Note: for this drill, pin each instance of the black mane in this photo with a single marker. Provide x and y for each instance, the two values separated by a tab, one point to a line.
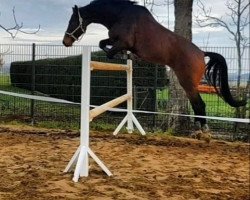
120	2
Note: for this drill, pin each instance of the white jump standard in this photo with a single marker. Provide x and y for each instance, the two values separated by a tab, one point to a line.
80	159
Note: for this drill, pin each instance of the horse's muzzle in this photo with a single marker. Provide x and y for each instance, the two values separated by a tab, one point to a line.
68	41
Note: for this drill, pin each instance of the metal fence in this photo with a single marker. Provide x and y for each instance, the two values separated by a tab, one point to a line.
154	94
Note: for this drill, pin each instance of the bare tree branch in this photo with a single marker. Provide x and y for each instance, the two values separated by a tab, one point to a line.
239	15
18	27
237	20
244	8
153	4
209	20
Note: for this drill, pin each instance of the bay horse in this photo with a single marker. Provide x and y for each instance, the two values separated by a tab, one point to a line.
133	28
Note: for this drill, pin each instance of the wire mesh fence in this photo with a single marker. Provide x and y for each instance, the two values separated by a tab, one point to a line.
53	70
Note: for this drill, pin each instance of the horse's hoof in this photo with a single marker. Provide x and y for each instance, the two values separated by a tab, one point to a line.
206	137
119	56
124	57
197	126
132	56
205	128
199	135
196	135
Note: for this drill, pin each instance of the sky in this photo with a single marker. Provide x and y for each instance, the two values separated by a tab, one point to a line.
53	17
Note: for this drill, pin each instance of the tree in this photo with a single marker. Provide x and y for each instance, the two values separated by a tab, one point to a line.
179	102
18	27
2	54
234	21
151	4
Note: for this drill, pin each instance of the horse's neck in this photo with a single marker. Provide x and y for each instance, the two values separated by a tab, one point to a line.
100	15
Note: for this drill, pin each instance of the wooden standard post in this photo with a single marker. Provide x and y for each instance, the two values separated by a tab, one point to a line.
129	118
80	159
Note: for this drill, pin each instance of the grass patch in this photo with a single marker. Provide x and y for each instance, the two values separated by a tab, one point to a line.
215	106
57	124
4	80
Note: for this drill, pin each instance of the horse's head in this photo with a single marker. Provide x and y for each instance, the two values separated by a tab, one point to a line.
77	27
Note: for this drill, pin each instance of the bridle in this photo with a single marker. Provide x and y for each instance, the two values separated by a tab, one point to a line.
80	26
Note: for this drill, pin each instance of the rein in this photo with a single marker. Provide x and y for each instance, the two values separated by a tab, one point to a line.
76	29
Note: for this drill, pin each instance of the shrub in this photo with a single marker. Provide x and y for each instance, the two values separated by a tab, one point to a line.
61	78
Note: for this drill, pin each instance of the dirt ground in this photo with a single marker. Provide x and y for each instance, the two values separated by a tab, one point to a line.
152	167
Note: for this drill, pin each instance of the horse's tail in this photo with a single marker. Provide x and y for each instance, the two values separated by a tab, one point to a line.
217	76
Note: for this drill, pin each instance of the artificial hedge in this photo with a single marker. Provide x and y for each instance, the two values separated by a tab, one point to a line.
61	78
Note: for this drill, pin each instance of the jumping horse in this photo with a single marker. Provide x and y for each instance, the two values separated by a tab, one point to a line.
133	28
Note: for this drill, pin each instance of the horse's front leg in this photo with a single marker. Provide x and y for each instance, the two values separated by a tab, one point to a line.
104	43
117	47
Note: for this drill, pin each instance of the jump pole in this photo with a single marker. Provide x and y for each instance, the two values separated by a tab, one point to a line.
80	159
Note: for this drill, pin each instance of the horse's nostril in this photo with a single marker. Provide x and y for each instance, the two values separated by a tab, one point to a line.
65	44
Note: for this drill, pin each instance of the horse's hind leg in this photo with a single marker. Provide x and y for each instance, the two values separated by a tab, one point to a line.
199	107
189	80
190	85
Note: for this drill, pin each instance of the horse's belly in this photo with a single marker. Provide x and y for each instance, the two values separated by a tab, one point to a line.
150	54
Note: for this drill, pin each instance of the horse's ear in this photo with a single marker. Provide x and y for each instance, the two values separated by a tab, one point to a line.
75	9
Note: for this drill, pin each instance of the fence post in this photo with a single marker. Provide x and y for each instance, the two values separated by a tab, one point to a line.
33	82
